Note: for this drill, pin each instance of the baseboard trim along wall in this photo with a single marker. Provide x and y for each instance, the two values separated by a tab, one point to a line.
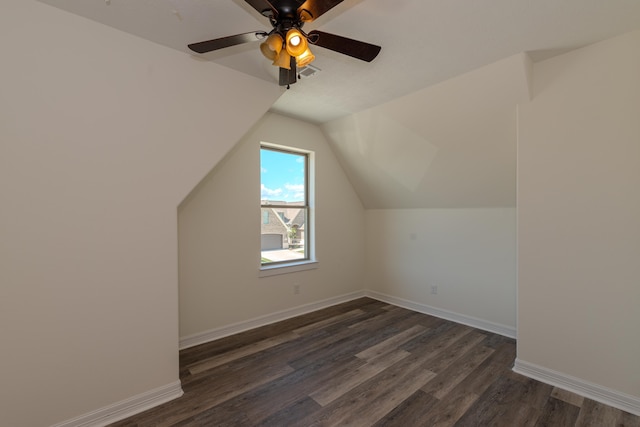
234	328
126	408
584	388
475	322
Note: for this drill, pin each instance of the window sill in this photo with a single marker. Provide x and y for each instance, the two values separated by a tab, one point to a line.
286	268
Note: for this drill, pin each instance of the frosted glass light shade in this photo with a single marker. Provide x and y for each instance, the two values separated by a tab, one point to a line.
283	60
305	58
296	42
272	46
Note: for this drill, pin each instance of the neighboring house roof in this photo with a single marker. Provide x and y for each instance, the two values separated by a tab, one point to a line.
298	217
290	216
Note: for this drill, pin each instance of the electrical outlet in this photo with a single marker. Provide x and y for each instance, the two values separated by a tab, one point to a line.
296	289
434	289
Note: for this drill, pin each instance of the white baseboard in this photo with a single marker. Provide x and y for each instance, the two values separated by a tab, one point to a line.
160	395
126	408
234	328
475	322
584	388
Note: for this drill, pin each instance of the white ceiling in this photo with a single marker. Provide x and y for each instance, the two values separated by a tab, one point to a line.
423	41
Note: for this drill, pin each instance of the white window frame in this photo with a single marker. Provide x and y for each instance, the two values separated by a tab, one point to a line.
310	262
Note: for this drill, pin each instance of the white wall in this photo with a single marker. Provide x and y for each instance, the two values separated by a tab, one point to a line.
452	145
101	136
469	254
440	164
219	234
579	216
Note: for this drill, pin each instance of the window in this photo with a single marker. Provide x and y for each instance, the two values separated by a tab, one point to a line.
285	235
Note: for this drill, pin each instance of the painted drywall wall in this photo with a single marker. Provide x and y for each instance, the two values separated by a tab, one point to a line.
436	172
219	235
451	145
101	137
579	216
468	254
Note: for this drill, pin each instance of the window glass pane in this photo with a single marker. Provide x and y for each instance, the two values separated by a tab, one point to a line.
285	209
284	241
282	177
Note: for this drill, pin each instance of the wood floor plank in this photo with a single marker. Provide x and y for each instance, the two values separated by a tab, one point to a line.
393	395
432	342
558	413
389	317
198	353
215	416
411	412
290	415
455	373
192	404
494	340
505	354
268	399
330	321
446	413
370	401
629	420
391	343
366	363
567	396
247	350
507	399
354	341
597	414
455	351
453	406
479	380
337	386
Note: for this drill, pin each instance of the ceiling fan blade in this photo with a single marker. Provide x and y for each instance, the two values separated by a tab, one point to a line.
317	8
222	42
262	5
354	48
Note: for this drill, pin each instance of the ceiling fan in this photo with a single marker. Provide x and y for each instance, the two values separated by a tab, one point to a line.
286	44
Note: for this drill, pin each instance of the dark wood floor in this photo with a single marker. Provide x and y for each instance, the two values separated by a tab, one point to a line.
366	363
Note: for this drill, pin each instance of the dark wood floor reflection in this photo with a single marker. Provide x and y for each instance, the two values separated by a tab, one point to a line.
366	363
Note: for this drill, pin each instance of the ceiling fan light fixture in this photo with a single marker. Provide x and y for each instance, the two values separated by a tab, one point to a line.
286	45
296	42
283	60
305	58
272	46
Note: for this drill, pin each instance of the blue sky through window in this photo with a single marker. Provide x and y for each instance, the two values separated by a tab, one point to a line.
282	176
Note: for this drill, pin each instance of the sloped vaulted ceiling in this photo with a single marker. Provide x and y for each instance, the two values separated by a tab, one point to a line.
424	42
452	145
408	131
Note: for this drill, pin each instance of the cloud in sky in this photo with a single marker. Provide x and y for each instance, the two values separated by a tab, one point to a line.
290	193
296	189
268	192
